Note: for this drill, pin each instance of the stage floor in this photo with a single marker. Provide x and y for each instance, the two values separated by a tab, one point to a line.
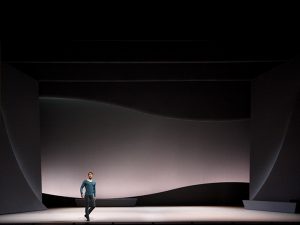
187	214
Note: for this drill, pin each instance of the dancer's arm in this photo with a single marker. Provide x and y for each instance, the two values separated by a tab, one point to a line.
82	186
95	189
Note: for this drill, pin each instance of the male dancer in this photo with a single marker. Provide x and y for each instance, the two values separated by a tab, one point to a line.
90	194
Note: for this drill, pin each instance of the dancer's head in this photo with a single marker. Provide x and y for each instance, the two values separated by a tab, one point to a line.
90	175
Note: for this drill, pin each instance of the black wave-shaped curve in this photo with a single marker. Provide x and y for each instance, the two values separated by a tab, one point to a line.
222	194
227	193
188	100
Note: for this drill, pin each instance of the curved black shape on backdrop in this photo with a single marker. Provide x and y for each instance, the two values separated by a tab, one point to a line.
222	194
227	193
208	100
55	201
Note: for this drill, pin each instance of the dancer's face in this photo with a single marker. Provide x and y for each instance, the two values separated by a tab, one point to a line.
90	175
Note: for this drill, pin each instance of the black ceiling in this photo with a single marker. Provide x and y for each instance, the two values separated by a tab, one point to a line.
91	60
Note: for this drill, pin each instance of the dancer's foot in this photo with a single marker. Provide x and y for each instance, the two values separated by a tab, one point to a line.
87	217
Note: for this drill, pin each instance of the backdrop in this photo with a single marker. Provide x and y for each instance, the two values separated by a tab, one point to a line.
133	152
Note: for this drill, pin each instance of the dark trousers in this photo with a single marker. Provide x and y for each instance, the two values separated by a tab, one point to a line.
90	204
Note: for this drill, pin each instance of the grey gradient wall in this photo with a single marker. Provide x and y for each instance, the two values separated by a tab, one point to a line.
20	165
275	128
136	153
